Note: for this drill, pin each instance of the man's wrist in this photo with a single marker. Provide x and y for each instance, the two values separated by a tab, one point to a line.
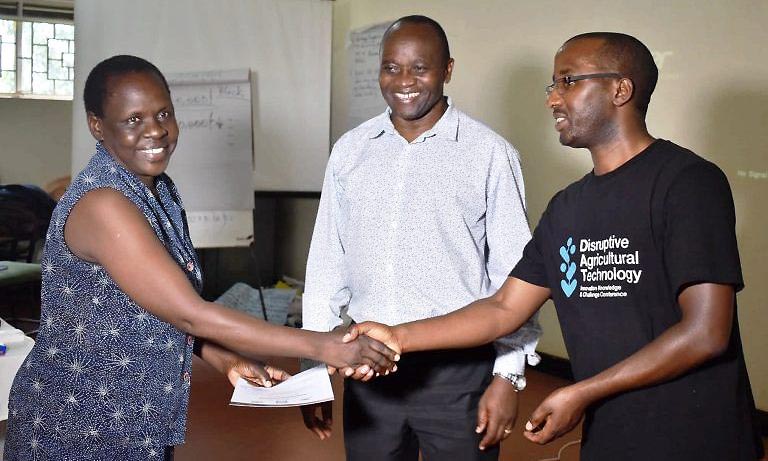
517	381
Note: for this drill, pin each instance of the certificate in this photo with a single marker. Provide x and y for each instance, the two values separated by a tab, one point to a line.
310	386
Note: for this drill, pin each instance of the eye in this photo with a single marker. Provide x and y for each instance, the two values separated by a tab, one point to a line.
567	81
163	115
419	69
389	68
133	120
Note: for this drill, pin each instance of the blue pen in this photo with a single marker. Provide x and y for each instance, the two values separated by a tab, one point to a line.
3	349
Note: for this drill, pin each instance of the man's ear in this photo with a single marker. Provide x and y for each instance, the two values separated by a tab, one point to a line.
94	125
624	92
449	70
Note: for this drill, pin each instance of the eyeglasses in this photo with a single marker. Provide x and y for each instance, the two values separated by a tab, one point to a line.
562	84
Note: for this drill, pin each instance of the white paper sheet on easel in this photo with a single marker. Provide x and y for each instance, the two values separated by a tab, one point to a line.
310	386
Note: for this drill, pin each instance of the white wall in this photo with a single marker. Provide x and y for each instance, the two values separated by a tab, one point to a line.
285	43
35	140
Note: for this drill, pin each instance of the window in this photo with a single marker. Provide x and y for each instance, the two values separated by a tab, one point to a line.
37	49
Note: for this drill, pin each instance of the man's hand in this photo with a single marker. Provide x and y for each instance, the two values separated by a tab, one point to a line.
496	412
320	424
378	331
556	415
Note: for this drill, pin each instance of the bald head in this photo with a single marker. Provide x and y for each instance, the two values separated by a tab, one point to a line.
630	57
421	21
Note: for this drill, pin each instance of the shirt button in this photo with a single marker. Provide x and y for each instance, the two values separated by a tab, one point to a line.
390	268
186	376
393	224
190	266
190	340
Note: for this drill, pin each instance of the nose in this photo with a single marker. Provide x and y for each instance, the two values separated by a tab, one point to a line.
554	99
155	129
406	79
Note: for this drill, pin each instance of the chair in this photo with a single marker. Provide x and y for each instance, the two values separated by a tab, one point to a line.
24	215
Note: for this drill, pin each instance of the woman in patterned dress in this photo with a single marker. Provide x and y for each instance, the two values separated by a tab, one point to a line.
108	378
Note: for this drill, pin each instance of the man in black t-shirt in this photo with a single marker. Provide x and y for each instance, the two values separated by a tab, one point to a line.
640	259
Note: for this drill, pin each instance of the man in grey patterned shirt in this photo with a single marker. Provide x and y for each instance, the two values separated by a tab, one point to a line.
422	211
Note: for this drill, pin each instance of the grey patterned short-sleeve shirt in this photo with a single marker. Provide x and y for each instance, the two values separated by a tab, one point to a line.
106	379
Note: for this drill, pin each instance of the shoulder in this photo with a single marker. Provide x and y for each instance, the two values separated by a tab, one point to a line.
355	140
107	206
484	138
684	167
361	133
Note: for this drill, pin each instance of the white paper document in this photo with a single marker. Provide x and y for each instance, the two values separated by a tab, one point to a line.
310	386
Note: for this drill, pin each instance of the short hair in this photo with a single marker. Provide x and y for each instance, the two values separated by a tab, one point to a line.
426	21
630	57
96	83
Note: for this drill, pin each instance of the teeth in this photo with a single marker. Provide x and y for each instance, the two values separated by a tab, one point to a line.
153	151
406	96
559	119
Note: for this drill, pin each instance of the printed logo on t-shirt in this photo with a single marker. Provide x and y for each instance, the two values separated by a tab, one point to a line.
605	267
568	268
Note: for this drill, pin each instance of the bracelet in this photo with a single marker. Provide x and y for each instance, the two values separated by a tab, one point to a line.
518	381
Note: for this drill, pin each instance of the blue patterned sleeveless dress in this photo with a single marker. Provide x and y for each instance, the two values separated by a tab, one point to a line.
106	379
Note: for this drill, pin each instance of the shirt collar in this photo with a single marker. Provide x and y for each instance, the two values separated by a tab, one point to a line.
446	128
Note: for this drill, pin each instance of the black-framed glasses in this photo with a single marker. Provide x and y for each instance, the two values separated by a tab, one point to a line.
563	83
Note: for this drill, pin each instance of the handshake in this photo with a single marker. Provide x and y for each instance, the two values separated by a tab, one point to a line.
363	351
360	352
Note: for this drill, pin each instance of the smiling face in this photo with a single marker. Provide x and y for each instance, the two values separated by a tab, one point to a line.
412	74
138	126
584	113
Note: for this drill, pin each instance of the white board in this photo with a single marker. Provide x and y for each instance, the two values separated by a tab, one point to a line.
213	160
365	100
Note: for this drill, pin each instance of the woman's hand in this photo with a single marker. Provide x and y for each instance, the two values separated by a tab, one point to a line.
235	366
256	373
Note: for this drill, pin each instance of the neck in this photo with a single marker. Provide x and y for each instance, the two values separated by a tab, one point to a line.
412	129
627	143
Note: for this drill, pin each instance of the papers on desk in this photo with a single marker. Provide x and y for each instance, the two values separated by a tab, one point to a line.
310	386
10	335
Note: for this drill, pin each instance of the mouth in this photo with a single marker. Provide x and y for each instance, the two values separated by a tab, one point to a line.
406	97
154	154
560	120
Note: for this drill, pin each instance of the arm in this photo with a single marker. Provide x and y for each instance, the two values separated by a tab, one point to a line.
473	325
325	282
106	228
702	334
507	232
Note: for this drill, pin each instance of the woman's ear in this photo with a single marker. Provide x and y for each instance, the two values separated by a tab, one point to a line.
94	125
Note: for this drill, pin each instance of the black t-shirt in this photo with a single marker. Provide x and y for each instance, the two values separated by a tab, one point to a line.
615	251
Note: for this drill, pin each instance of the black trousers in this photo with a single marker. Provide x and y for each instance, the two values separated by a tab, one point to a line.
428	405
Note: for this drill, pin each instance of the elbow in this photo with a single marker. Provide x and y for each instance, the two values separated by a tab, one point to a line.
712	346
192	321
717	347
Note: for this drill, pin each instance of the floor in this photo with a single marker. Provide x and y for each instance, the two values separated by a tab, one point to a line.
218	431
